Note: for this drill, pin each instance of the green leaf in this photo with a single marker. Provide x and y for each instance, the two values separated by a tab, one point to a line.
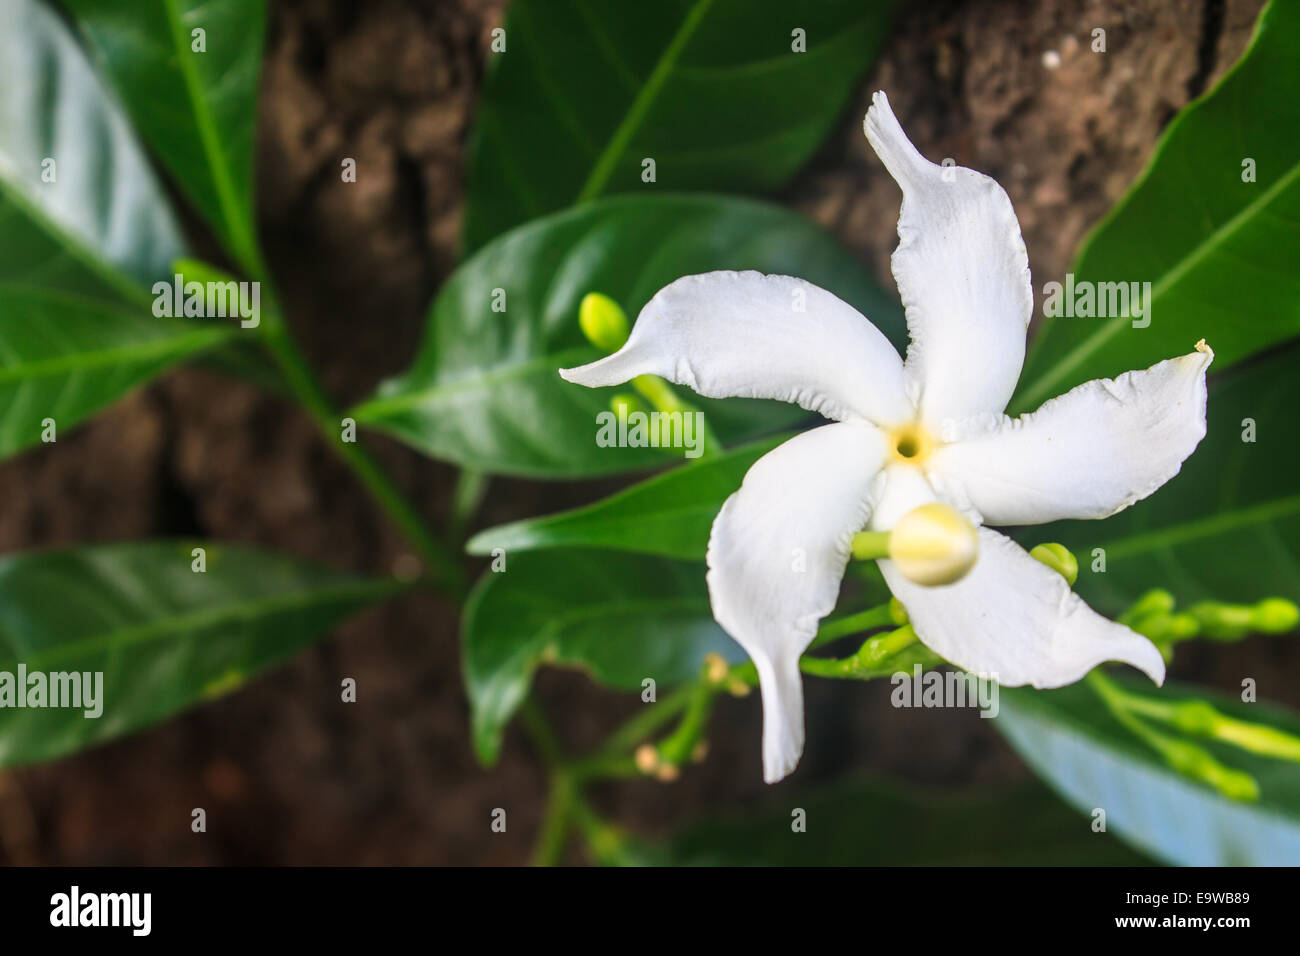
1219	252
485	392
80	209
622	618
163	636
870	823
1228	526
711	90
196	108
63	357
1070	739
669	515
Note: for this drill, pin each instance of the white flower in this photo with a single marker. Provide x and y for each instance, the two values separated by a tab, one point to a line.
909	433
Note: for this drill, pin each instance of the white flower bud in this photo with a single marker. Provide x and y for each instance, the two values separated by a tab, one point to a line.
933	544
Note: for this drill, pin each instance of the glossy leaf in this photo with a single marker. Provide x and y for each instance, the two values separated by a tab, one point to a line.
1092	761
711	90
80	209
163	636
668	515
869	823
484	391
63	357
1228	526
622	618
188	71
1216	244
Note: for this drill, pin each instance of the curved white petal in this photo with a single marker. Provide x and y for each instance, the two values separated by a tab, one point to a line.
903	487
751	335
1014	620
776	556
1087	454
963	276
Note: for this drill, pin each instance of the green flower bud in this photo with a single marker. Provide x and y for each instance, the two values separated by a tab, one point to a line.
1167	627
897	613
658	393
1195	717
1196	762
1059	558
603	322
1224	622
1258	739
1275	616
1156	601
625	403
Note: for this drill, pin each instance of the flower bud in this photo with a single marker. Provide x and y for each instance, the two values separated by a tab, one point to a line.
1156	601
897	613
1197	763
1059	558
1275	616
1164	628
933	544
603	322
624	404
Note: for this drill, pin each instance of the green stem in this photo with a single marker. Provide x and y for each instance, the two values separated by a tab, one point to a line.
306	388
553	837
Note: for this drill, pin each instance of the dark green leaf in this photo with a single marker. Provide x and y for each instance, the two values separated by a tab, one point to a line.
869	823
668	515
1219	252
484	391
63	357
711	90
196	108
622	618
80	209
1073	742
1228	526
163	636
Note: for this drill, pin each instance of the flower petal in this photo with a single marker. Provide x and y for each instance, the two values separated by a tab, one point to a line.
1089	453
776	556
1016	621
751	335
963	276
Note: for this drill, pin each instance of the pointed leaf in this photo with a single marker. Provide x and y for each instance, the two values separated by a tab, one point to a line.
668	515
716	92
163	636
1216	244
188	72
63	357
485	392
80	209
1093	762
623	618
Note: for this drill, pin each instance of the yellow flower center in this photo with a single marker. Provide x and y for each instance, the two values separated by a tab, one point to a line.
911	444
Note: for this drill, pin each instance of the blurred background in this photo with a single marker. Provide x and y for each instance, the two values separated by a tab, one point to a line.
286	774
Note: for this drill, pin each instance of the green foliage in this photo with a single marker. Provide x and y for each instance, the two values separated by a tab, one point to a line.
484	391
621	618
711	90
164	636
1094	762
1218	250
188	73
668	515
